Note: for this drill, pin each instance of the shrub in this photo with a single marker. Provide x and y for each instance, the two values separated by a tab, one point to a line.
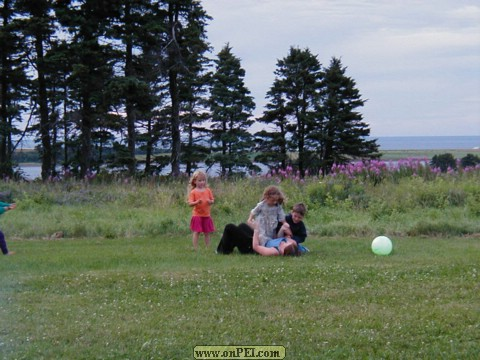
328	193
444	162
470	160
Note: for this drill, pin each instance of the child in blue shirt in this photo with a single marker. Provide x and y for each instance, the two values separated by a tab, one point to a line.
3	244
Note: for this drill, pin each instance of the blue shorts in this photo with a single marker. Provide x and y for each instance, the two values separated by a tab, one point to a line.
275	243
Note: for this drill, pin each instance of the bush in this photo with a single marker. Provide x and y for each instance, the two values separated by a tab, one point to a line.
470	160
444	162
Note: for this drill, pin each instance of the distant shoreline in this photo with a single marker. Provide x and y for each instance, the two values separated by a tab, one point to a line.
386	154
392	148
429	154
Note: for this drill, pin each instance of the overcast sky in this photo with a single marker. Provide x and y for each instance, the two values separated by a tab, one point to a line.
417	62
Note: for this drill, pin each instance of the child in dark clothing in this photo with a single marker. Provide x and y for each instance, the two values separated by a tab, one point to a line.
294	226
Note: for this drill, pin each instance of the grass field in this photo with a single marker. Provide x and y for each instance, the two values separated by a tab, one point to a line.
123	282
154	298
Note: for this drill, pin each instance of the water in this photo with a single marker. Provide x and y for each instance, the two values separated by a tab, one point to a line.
33	171
428	142
385	142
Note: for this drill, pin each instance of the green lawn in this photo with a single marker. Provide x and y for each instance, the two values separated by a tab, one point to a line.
154	298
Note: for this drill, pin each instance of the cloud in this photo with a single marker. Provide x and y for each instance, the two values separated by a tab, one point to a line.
415	61
467	12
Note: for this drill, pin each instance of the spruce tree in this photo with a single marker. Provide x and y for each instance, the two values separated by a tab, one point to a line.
131	90
272	143
194	92
64	113
37	26
294	102
92	69
231	109
14	84
185	24
340	134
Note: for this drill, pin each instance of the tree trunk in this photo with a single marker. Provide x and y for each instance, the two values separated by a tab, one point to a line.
86	133
5	126
43	105
175	124
130	108
174	92
149	148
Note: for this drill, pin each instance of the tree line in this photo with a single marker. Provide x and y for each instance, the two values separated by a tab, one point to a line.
96	82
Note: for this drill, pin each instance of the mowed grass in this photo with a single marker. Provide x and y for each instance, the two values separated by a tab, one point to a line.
154	298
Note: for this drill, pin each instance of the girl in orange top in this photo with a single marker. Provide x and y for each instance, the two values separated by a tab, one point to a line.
200	198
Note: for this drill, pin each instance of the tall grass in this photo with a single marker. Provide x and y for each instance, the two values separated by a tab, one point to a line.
363	204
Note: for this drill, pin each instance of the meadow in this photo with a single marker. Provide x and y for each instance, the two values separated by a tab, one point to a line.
104	269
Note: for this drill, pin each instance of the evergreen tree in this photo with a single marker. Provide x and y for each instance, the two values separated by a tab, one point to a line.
339	134
131	90
194	91
14	84
231	109
92	68
294	102
186	21
64	114
194	114
272	144
37	25
152	124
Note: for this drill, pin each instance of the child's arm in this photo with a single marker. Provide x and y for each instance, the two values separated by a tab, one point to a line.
192	201
251	218
284	231
253	213
259	249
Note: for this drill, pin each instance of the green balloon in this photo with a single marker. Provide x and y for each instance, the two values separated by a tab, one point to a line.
382	245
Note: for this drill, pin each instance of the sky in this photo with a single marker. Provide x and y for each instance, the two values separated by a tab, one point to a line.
416	62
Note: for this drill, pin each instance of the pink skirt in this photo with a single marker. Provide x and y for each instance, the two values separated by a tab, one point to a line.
202	224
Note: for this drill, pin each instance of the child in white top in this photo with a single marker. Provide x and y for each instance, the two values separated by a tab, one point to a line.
267	214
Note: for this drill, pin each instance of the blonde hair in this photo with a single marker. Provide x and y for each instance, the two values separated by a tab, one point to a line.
273	190
192	183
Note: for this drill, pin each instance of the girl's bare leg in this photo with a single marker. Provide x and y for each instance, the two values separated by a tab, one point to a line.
195	240
207	239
